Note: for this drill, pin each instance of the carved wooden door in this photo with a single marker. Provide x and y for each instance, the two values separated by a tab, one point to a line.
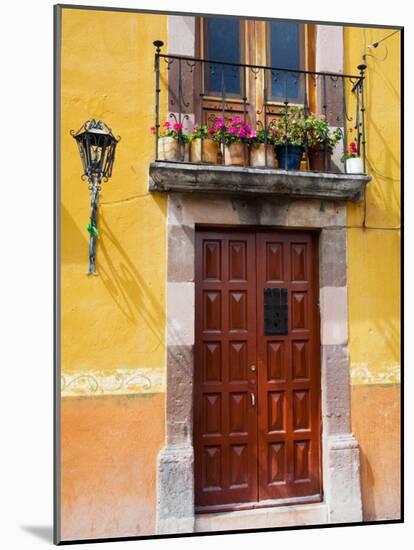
257	387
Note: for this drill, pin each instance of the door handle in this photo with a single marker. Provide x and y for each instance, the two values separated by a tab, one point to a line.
253	398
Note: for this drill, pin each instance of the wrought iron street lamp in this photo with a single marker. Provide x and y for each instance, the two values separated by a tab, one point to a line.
96	144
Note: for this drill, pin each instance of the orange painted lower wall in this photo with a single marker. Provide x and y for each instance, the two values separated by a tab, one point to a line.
376	424
109	446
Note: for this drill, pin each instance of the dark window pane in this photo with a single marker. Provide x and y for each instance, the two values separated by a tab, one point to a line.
222	40
285	53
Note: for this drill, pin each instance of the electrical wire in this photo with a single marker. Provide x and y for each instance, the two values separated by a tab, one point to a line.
376	44
375	57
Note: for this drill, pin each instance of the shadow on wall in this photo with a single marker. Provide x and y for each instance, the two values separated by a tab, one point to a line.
74	242
367	487
132	295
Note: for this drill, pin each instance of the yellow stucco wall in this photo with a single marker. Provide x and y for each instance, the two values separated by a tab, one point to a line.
374	279
374	253
113	324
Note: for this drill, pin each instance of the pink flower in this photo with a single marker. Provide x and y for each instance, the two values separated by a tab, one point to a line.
219	123
178	126
211	131
253	134
353	147
167	124
247	128
232	130
153	130
241	133
237	120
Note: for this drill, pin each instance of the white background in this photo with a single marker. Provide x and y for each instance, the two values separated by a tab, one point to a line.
26	305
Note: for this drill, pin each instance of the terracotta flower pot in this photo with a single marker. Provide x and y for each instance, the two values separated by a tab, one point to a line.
258	156
234	154
354	166
168	148
209	150
319	159
185	152
171	150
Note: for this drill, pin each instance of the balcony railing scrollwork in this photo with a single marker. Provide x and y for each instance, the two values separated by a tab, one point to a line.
199	102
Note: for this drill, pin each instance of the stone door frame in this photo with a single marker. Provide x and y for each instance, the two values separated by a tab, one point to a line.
340	450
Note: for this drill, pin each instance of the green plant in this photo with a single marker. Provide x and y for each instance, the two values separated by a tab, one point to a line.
201	131
318	132
290	127
264	135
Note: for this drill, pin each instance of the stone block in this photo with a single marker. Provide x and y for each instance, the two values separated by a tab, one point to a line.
280	516
175	490
342	479
335	389
316	213
180	253
180	314
189	209
180	373
334	315
274	211
333	258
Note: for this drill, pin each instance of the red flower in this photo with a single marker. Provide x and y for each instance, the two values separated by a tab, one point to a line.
153	130
353	147
177	126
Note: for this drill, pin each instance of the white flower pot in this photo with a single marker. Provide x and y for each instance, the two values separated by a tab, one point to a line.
354	166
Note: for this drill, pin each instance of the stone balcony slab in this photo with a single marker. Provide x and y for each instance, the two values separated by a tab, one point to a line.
168	177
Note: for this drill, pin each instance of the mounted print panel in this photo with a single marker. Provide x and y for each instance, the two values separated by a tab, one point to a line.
227	353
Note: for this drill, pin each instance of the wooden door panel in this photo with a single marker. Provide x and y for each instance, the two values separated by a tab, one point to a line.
288	369
275	361
225	429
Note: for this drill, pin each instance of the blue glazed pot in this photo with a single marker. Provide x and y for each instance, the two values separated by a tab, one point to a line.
289	156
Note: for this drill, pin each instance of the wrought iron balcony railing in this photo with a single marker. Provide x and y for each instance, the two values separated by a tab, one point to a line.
322	112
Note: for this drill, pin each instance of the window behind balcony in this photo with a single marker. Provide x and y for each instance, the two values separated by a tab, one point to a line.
285	50
284	44
223	42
